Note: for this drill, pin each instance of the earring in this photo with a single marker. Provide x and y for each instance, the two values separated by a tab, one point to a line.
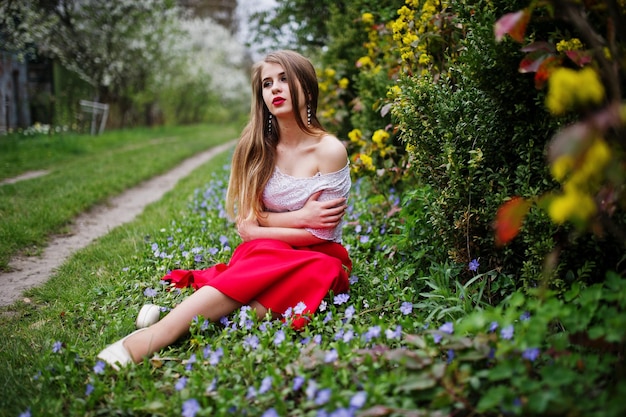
308	115
269	125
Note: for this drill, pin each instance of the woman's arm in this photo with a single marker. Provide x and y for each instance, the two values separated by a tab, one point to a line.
315	214
250	230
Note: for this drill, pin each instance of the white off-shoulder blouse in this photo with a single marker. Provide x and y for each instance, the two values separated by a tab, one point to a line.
286	193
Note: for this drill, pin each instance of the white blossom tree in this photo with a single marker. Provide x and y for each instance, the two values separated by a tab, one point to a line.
132	52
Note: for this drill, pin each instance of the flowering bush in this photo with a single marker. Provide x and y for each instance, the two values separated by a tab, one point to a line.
582	77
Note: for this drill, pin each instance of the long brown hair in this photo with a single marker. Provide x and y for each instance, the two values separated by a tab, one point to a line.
255	154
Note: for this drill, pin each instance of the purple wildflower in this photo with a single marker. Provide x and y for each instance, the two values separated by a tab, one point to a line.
99	367
331	356
353	279
299	308
450	355
190	407
394	334
531	354
190	362
341	298
251	342
251	393
181	384
493	326
266	385
447	327
364	238
25	413
525	316
348	336
507	332
206	351
372	333
216	356
323	396
88	390
270	412
212	386
473	265
311	389
406	308
358	400
279	337
56	347
298	381
329	317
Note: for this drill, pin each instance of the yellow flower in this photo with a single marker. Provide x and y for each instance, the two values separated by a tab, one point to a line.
394	91
596	158
343	83
568	88
573	44
572	205
329	72
561	167
355	135
406	13
379	137
366	160
328	114
367	18
364	61
409	38
424	59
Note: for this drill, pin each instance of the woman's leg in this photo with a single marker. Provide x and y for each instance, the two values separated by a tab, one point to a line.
207	302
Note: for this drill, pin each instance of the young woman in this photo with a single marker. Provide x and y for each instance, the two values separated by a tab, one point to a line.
288	188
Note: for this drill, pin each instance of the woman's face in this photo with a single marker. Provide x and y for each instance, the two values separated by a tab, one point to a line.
276	93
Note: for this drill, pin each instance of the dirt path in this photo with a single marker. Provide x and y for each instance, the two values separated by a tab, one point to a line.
28	272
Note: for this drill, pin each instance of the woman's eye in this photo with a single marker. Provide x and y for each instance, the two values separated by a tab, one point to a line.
267	84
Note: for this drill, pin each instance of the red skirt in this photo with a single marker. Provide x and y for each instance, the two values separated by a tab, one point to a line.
275	274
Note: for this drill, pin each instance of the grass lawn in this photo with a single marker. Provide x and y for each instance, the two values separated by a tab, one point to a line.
83	171
403	342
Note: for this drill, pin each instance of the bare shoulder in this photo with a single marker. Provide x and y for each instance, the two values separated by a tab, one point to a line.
332	154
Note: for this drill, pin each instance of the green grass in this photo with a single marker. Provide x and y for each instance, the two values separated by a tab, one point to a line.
83	171
406	342
86	305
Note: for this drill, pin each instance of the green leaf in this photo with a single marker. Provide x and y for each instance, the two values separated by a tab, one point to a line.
419	383
492	399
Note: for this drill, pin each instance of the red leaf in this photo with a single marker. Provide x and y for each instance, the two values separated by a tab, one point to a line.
539	46
531	62
512	24
580	58
509	219
545	69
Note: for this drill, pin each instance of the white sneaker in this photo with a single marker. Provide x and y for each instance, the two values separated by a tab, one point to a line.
148	315
116	355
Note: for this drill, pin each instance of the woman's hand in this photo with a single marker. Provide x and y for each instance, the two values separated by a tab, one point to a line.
322	214
247	229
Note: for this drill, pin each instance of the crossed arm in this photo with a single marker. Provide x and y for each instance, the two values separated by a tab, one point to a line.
290	226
